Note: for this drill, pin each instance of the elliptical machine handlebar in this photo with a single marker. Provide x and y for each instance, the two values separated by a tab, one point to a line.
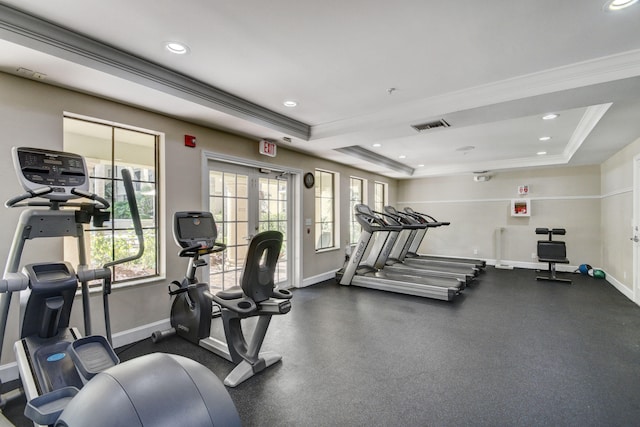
135	218
103	203
28	195
43	191
137	225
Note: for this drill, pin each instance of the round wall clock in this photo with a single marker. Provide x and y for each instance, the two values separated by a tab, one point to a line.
309	180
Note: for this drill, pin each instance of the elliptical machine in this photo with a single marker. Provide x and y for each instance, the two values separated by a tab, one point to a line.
191	310
65	376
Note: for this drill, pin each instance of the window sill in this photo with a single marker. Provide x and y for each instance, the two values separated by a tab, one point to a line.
321	251
138	282
93	289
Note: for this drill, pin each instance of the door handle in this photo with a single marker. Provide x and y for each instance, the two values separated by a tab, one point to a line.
635	239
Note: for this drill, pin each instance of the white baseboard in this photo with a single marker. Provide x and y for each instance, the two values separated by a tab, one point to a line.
142	332
318	278
569	269
9	371
620	287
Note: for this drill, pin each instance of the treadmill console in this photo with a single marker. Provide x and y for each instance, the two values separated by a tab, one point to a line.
194	229
62	172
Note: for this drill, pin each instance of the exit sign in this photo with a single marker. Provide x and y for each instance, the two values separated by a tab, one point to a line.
268	148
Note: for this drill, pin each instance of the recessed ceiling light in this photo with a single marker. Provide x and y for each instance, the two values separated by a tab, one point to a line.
177	47
402	156
420	165
550	116
466	148
290	103
544	138
541	153
618	4
376	145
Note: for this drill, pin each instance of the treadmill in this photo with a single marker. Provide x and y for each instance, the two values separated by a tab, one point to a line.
374	240
392	258
401	252
412	253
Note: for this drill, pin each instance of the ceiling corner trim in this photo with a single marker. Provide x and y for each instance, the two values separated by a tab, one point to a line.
376	159
38	34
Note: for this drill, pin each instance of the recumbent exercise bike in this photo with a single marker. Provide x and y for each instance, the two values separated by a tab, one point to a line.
193	304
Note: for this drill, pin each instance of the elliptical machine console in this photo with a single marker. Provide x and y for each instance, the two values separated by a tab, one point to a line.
60	172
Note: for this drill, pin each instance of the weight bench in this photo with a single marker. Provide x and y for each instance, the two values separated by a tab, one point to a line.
552	252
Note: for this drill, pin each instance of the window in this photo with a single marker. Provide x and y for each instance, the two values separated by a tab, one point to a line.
107	150
357	192
325	210
380	196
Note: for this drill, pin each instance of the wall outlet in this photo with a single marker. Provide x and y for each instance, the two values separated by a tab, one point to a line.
475	252
533	255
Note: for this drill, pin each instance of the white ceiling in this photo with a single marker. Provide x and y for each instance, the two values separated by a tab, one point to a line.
491	69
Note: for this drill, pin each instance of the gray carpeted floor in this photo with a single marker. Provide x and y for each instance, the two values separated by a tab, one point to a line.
510	351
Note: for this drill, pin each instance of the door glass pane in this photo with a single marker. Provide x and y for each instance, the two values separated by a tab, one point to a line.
244	203
228	202
272	202
242	182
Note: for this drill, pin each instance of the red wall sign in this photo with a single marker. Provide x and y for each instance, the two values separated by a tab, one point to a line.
267	148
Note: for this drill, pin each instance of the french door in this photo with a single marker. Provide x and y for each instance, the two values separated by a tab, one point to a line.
245	201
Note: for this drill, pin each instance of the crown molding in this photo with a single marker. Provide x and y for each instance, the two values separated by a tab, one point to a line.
38	34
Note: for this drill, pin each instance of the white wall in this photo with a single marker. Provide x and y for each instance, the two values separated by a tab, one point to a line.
564	197
31	115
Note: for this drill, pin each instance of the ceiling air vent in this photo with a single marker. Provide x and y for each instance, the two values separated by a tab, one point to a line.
442	123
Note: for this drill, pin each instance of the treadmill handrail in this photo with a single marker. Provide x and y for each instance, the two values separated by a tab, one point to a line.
371	223
407	220
424	217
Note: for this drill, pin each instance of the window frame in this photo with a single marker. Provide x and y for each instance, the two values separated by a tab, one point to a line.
111	229
355	228
378	205
320	175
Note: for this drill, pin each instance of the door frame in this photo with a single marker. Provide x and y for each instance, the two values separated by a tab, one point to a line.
295	202
636	228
